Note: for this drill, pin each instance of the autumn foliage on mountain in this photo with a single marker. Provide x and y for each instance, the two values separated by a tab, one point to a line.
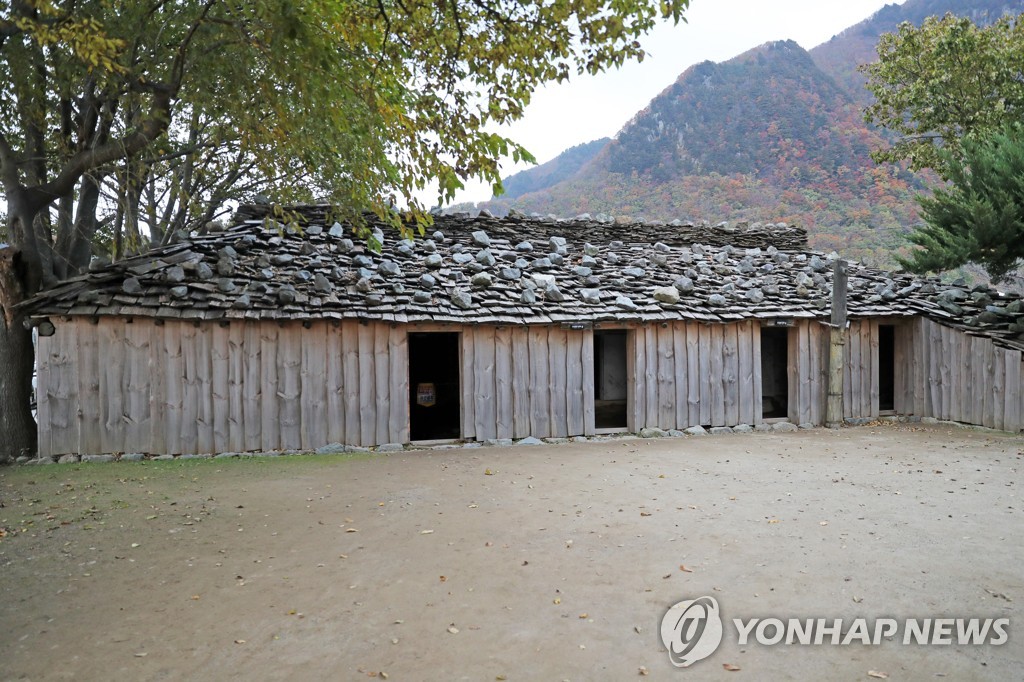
775	134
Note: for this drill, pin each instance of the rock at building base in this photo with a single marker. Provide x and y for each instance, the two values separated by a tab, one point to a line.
720	430
784	427
653	432
529	440
96	459
696	431
332	449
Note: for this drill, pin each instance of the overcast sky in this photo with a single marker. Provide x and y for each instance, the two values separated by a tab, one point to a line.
589	108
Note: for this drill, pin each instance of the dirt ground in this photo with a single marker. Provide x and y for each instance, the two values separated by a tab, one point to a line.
522	563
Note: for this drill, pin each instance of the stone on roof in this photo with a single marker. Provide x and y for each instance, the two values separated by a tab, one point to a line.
480	271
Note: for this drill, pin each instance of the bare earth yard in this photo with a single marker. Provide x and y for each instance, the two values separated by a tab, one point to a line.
522	563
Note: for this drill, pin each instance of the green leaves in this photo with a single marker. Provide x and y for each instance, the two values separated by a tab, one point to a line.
954	94
360	104
948	79
980	217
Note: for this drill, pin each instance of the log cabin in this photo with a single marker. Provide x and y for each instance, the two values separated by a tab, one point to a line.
292	335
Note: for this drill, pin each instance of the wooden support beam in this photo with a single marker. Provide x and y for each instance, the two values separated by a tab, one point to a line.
837	339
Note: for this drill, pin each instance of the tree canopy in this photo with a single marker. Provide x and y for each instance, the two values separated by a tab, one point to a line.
943	82
980	217
364	104
128	121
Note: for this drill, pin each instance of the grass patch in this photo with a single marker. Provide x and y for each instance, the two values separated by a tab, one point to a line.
46	498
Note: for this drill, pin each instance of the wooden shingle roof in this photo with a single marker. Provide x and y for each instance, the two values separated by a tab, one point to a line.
518	270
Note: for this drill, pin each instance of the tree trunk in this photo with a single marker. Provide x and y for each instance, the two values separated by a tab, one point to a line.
17	362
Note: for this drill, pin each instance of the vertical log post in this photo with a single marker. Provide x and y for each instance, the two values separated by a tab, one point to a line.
837	340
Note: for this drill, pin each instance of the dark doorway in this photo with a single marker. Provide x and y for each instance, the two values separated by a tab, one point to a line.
434	386
774	373
610	390
886	367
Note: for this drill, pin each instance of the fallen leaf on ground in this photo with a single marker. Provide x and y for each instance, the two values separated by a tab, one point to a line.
730	667
557	600
642	670
773	520
351	530
426	532
239	641
878	674
684	569
488	472
452	629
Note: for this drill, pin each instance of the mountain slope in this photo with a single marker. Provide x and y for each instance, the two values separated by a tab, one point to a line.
765	136
840	56
774	134
562	167
759	114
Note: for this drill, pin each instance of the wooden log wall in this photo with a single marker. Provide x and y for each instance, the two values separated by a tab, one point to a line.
527	381
690	374
860	370
964	378
119	386
808	372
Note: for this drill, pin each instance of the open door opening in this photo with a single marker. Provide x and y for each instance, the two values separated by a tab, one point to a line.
886	367
434	386
610	388
774	374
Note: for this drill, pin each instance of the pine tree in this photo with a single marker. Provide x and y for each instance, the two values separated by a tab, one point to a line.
979	217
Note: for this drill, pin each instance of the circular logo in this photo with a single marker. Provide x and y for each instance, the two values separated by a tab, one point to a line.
691	630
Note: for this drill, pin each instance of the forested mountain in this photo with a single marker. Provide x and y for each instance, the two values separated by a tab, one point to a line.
776	133
562	167
840	56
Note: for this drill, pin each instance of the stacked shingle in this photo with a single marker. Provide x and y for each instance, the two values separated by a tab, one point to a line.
517	270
